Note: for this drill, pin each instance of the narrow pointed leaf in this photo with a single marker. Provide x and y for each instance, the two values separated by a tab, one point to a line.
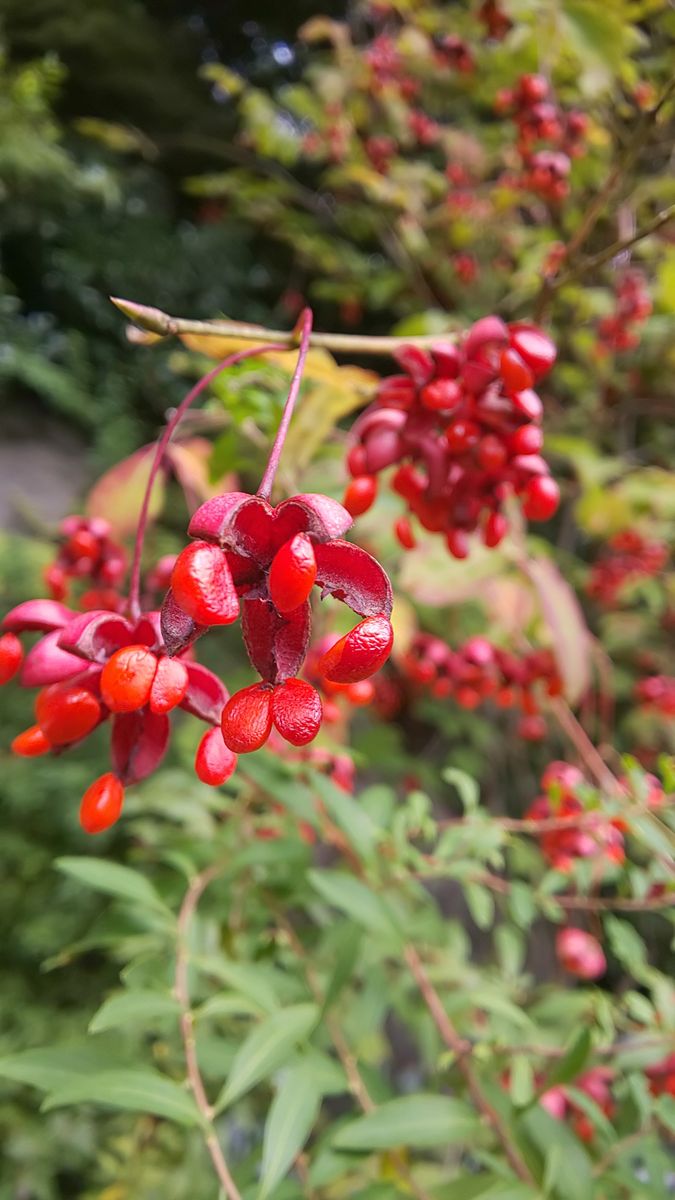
289	1123
267	1048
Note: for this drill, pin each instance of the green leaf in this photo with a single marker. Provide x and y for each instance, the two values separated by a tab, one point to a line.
113	879
570	1172
345	948
626	944
357	825
52	1067
289	1123
481	904
133	1090
420	1121
354	898
521	1087
466	787
128	1007
267	1048
573	1060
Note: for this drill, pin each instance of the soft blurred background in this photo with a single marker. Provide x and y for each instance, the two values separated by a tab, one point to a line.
123	171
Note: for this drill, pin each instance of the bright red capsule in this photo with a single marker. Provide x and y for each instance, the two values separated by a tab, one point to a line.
202	585
359	653
247	718
214	761
296	711
101	804
11	656
66	713
169	685
127	678
292	574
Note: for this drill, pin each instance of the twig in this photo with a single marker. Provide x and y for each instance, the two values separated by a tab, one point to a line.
586	903
616	248
155	321
185	916
460	1048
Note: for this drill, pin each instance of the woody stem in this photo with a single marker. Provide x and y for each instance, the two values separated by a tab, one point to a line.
162	443
305	324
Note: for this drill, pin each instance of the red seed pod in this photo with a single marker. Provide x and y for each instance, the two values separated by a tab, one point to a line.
528	439
11	656
292	574
56	580
528	404
462	435
83	544
404	533
356	461
30	743
360	653
541	498
360	494
296	711
515	371
214	761
66	713
202	585
127	678
491	453
101	804
441	395
169	685
247	718
361	693
537	350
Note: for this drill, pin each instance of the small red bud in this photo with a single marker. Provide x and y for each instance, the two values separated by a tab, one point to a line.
404	533
541	498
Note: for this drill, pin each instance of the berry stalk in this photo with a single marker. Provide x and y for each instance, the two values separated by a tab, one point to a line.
162	443
267	482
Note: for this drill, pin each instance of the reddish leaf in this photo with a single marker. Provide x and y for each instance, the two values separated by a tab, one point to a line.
138	744
355	577
118	494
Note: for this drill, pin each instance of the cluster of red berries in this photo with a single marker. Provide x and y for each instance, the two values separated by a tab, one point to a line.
538	119
657	692
477	671
463	427
264	561
497	23
629	557
587	833
620	331
87	553
97	665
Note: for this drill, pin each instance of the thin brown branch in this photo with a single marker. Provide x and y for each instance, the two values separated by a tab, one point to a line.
181	987
616	248
586	903
460	1048
153	320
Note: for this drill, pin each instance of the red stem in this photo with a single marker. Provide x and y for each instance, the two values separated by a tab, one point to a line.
163	441
265	489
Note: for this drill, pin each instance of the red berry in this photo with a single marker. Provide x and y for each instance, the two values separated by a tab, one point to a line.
514	371
537	350
55	579
457	542
30	743
292	574
101	804
202	585
169	685
214	761
496	528
404	533
441	395
127	678
66	713
296	711
462	435
360	653
360	494
491	453
247	718
528	404
541	498
356	461
11	656
580	953
529	439
361	693
83	544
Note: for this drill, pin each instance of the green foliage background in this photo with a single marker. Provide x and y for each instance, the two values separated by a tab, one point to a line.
120	173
